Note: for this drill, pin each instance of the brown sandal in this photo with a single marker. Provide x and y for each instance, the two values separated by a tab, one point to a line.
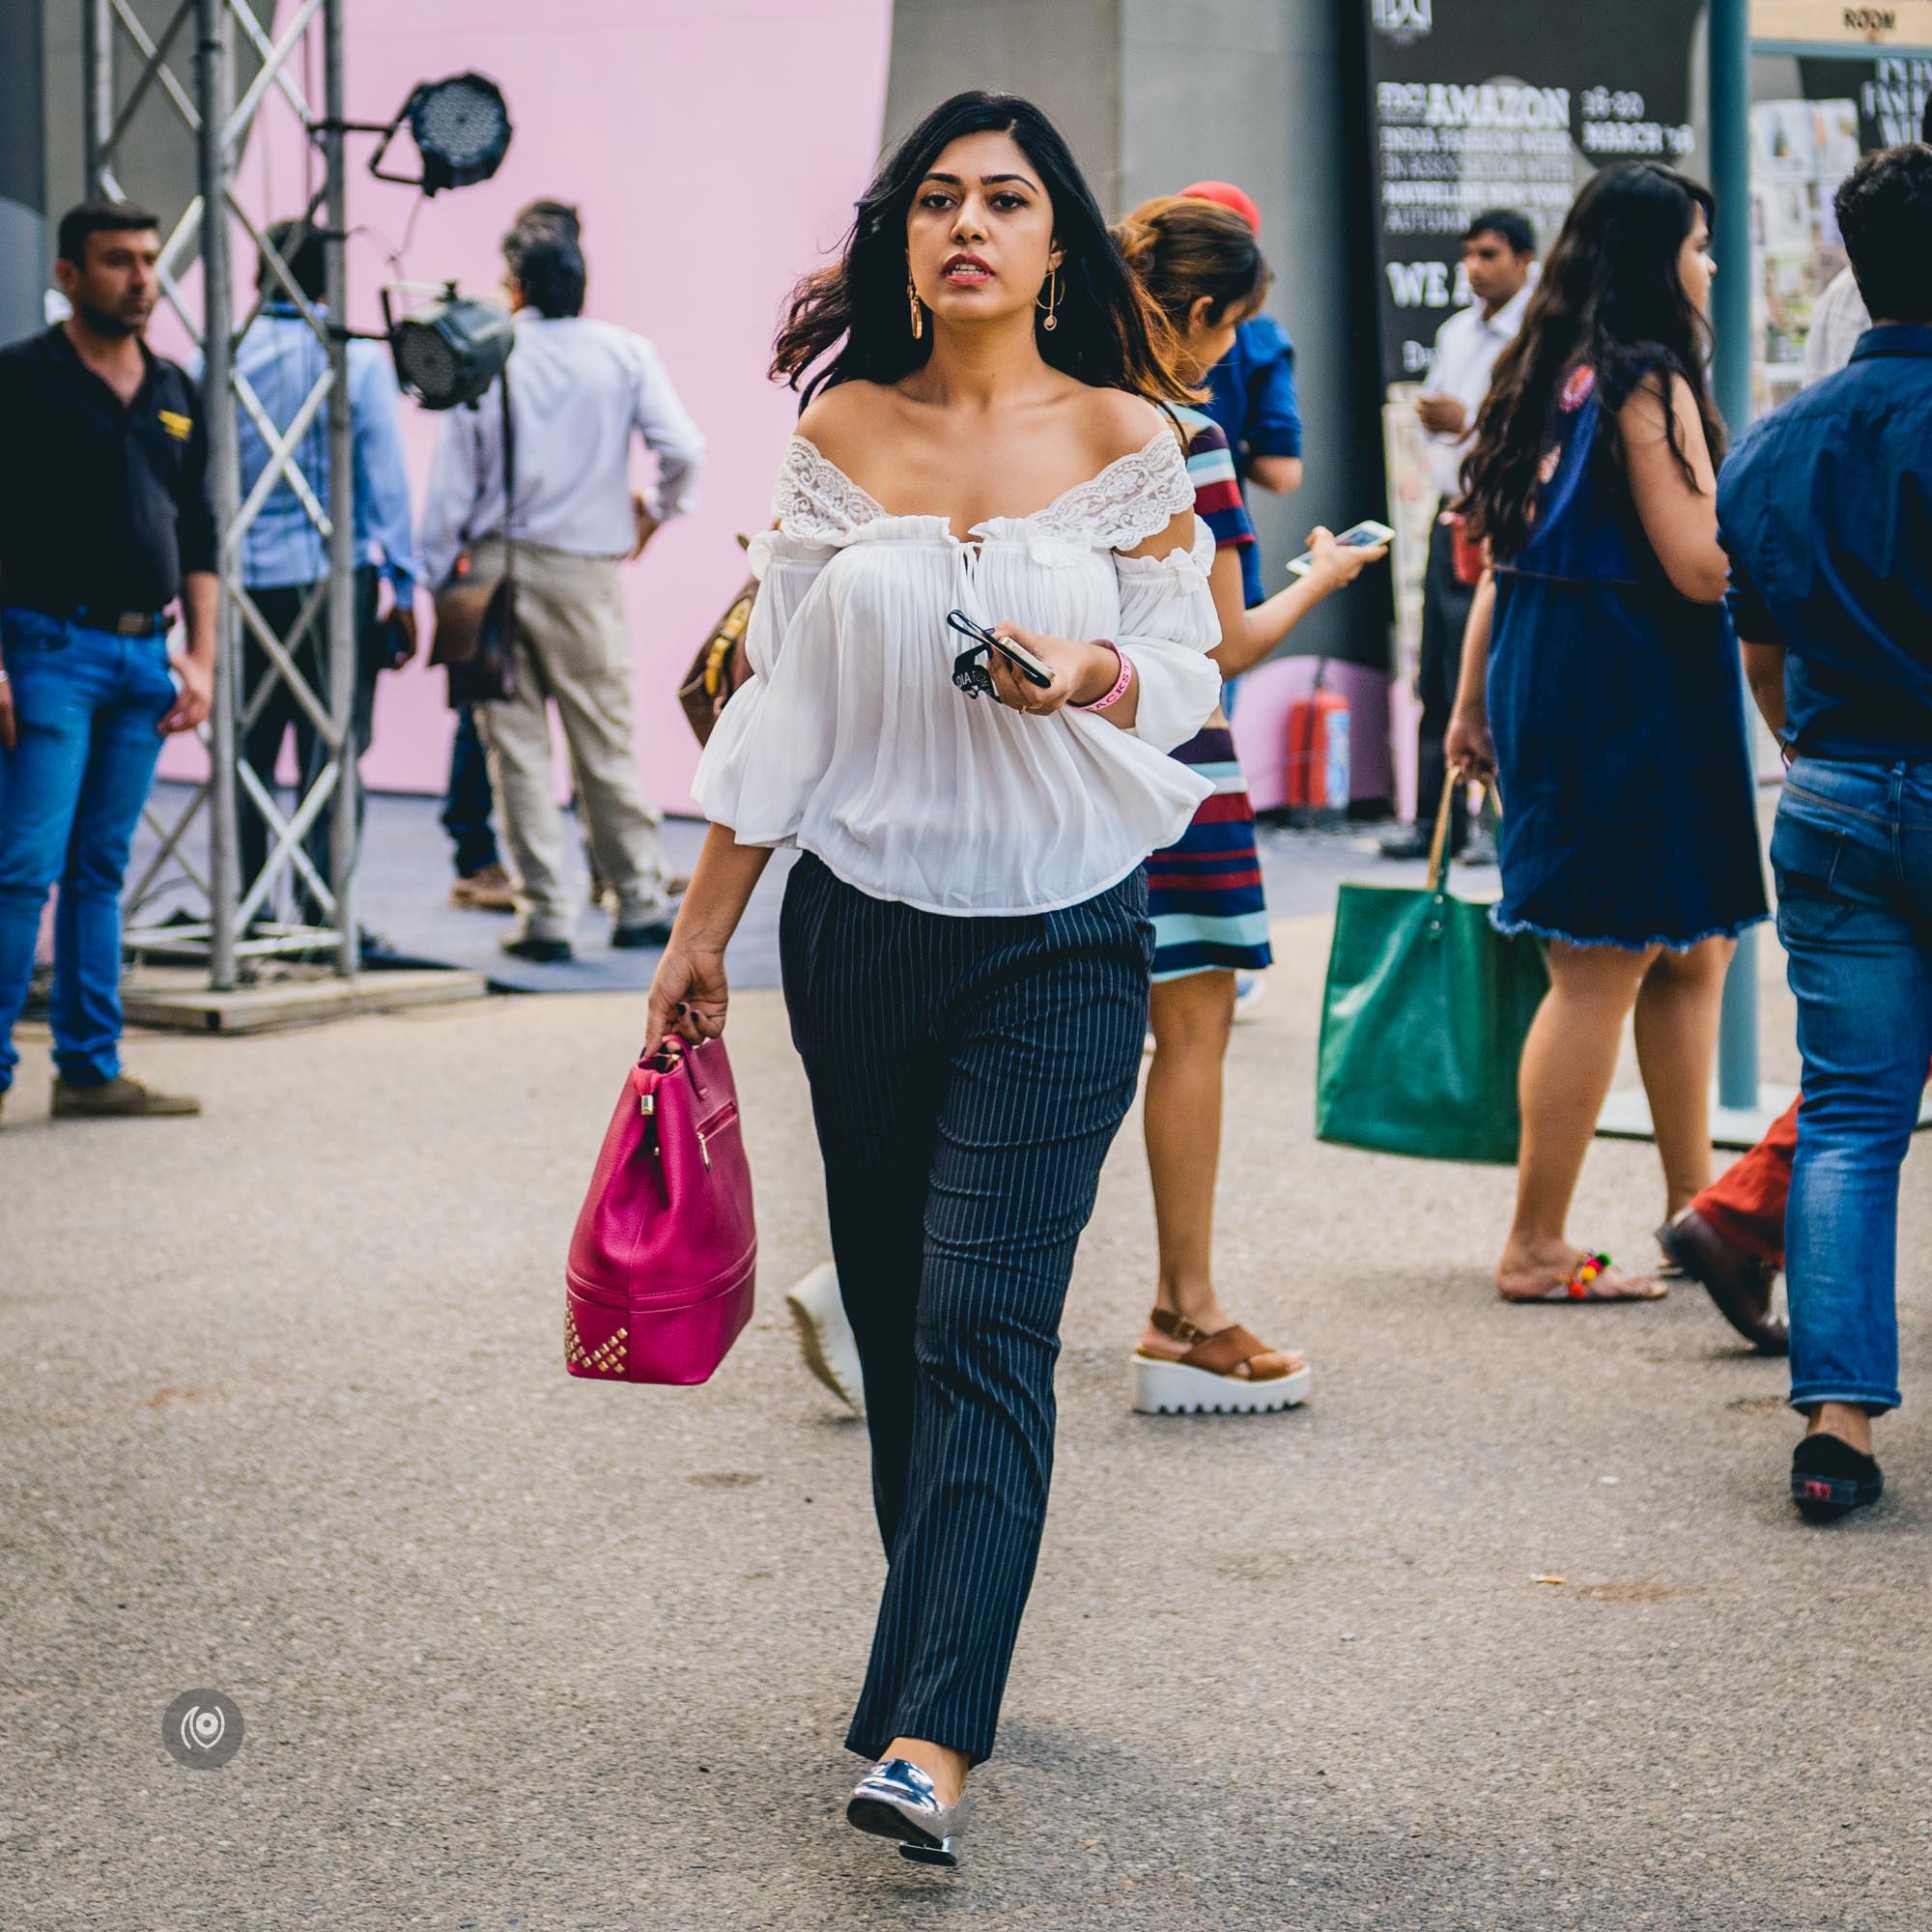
1219	1374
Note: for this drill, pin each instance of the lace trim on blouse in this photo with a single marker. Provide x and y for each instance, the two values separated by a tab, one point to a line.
814	499
1134	498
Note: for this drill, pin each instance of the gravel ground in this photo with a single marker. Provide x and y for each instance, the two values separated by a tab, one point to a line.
1511	1626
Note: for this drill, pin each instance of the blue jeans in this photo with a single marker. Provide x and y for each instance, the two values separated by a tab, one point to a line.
1853	855
86	703
467	809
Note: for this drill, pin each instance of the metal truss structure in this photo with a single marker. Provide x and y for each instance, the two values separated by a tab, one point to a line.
236	924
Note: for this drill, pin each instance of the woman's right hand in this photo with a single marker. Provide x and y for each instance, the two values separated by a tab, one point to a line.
1467	747
689	995
1333	565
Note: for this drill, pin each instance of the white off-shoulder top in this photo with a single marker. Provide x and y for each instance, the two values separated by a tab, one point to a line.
851	741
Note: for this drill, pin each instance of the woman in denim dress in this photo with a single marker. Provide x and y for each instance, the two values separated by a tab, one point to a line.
1601	684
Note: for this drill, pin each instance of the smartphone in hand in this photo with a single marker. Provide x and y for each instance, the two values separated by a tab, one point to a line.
1016	655
1365	535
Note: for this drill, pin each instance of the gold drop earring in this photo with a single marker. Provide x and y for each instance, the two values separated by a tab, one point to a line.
917	313
1052	302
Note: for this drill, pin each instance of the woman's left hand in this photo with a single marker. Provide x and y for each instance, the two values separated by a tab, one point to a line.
1081	672
1467	747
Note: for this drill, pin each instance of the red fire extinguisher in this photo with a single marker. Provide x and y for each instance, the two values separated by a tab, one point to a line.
1318	749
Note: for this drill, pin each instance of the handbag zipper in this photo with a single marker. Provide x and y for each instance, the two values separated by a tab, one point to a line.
648	1105
726	1116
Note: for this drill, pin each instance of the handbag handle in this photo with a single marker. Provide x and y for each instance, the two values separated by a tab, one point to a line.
1439	844
668	1055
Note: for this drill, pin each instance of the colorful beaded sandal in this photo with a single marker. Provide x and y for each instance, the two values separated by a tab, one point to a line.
1582	1285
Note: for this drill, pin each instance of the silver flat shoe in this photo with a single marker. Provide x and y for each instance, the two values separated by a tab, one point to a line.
896	1799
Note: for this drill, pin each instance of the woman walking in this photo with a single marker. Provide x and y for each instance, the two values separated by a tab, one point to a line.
1601	684
1201	265
965	940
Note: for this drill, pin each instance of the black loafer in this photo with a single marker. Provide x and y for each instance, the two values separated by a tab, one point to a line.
540	951
1829	1478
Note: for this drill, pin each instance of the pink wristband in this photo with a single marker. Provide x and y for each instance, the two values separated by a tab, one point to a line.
1120	683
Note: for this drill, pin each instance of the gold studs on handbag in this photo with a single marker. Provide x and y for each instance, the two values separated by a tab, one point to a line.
917	313
606	1359
1052	302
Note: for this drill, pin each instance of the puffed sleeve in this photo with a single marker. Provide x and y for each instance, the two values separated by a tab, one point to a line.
1168	626
772	737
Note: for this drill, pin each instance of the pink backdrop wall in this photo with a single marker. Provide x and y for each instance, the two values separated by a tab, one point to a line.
715	150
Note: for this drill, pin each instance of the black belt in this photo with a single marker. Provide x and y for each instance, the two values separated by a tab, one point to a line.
121	623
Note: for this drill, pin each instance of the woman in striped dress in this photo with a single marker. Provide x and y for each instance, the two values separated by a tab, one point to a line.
1205	270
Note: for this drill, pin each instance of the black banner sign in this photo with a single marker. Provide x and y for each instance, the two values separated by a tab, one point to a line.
1510	103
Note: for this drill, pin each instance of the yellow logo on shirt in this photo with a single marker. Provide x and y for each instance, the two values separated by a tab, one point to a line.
177	426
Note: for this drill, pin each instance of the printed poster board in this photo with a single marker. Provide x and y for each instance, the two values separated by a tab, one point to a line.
1813	116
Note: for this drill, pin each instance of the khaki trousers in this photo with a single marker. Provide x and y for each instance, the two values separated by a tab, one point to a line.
572	649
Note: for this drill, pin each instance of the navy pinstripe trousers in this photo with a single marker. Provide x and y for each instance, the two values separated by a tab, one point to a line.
968	1076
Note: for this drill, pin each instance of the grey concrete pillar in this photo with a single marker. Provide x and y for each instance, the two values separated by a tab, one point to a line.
1063	56
1270	94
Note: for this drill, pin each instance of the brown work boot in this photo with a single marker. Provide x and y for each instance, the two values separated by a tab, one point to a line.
118	1099
486	890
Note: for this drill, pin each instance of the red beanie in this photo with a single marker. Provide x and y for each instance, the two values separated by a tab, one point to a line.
1229	196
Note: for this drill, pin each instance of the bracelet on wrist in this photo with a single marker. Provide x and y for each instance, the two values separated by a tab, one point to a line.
1119	689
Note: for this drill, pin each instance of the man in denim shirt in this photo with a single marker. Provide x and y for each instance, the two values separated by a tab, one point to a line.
285	557
1826	509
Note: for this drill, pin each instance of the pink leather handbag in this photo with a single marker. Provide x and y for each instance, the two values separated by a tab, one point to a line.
658	1281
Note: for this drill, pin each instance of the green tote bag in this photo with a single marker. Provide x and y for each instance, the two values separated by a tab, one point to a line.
1423	1021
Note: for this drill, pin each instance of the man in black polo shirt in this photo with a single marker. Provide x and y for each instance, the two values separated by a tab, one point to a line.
105	521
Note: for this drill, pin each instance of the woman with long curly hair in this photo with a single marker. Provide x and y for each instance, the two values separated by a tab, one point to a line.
1601	685
965	938
1204	267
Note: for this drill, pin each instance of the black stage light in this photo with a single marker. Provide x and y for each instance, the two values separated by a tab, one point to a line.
450	352
461	128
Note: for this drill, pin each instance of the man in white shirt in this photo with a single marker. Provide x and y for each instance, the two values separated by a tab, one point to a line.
1498	256
1838	318
579	389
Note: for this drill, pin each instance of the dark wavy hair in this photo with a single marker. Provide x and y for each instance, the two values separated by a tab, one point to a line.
1109	332
1611	298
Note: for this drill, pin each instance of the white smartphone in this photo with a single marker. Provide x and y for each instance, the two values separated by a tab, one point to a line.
1365	535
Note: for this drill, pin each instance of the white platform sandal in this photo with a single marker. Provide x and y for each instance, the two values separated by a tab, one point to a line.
1223	1374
